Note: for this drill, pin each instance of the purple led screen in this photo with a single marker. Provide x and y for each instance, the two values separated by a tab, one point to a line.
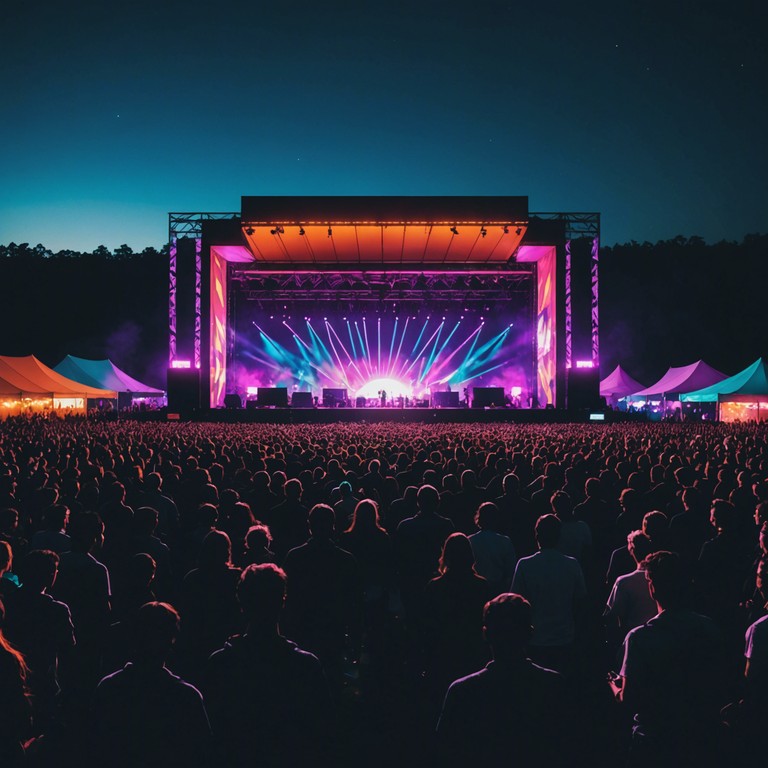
308	347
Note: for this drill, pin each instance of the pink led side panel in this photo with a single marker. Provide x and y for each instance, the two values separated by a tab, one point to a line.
546	312
172	303
218	328
568	308
198	297
595	297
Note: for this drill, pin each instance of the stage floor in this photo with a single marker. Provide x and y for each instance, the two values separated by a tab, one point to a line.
396	415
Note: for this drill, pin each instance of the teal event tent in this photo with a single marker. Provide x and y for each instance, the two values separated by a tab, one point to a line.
748	388
105	374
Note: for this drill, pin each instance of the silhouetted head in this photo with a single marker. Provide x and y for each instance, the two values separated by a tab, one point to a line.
141	570
548	531
261	594
322	521
668	578
55	517
457	555
511	484
293	489
655	524
153	482
38	569
487	516
639	545
145	521
86	532
215	551
258	537
507	625
156	629
561	505
722	515
592	488
365	517
428	499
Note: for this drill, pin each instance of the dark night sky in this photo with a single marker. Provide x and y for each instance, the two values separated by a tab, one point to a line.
652	113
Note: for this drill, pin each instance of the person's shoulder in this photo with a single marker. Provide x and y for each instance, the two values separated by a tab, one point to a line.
113	681
544	675
179	686
758	631
464	685
57	607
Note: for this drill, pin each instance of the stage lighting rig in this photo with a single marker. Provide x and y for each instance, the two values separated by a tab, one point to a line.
454	230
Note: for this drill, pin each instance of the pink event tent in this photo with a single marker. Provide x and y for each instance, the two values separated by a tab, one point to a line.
618	384
685	379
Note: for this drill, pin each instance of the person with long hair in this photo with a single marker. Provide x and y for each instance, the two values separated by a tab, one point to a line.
372	547
14	705
454	611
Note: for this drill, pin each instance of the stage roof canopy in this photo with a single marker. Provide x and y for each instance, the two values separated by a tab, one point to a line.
747	386
384	230
104	374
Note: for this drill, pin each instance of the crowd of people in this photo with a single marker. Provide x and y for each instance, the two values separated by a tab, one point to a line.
287	595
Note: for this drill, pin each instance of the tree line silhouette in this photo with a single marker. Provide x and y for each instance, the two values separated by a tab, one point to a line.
665	303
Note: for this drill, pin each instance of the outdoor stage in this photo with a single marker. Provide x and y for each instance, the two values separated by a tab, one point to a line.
419	297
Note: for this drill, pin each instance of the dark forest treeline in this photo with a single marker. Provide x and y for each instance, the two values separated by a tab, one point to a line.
681	300
94	305
665	303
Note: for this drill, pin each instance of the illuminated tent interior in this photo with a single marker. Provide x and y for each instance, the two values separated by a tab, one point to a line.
741	397
29	386
105	374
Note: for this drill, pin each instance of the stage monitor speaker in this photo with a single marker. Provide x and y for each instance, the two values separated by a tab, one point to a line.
332	398
276	397
445	399
486	397
301	400
583	388
232	400
183	390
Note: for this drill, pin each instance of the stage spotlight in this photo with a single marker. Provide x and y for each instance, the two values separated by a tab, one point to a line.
506	229
330	232
301	231
483	233
518	231
454	230
272	231
249	231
